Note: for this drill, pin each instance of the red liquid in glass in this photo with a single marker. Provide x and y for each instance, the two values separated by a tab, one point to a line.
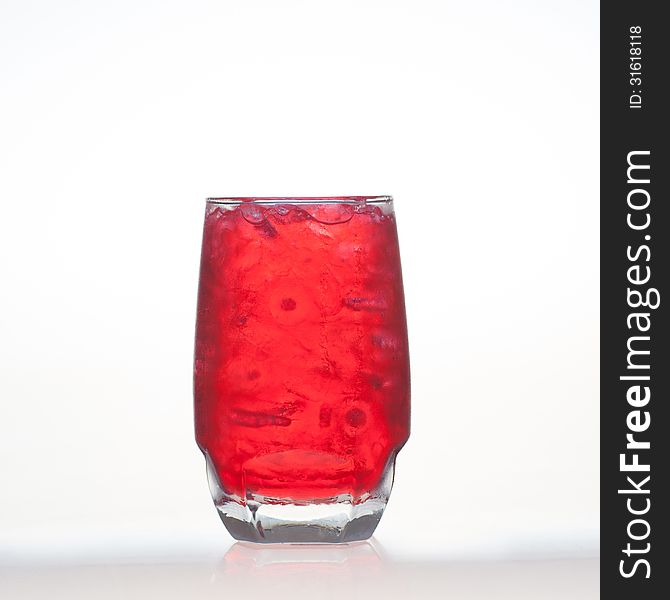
301	366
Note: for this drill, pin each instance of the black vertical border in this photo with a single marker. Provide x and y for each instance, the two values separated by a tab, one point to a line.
624	130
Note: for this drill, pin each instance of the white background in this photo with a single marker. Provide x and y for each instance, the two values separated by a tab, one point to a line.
118	119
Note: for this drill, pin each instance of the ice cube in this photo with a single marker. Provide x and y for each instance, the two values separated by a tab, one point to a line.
286	213
252	213
247	418
267	229
374	212
324	416
386	341
331	214
369	303
256	215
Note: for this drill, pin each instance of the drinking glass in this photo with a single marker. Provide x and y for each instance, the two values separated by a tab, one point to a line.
301	368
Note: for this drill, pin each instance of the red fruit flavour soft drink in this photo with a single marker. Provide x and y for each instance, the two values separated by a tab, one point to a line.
301	361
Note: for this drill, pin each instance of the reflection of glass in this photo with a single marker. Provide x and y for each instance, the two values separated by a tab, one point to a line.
274	561
300	571
301	365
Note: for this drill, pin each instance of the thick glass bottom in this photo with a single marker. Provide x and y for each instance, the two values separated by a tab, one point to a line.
340	519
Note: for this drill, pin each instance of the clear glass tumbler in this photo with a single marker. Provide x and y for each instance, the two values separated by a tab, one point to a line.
302	385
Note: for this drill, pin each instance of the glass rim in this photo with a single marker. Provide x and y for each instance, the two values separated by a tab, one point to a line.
238	200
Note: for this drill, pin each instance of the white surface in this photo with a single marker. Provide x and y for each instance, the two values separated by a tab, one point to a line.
309	573
118	119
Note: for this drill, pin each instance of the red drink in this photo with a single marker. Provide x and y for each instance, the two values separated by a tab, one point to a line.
301	363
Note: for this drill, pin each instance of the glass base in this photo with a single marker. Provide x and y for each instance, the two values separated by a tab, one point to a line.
335	520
